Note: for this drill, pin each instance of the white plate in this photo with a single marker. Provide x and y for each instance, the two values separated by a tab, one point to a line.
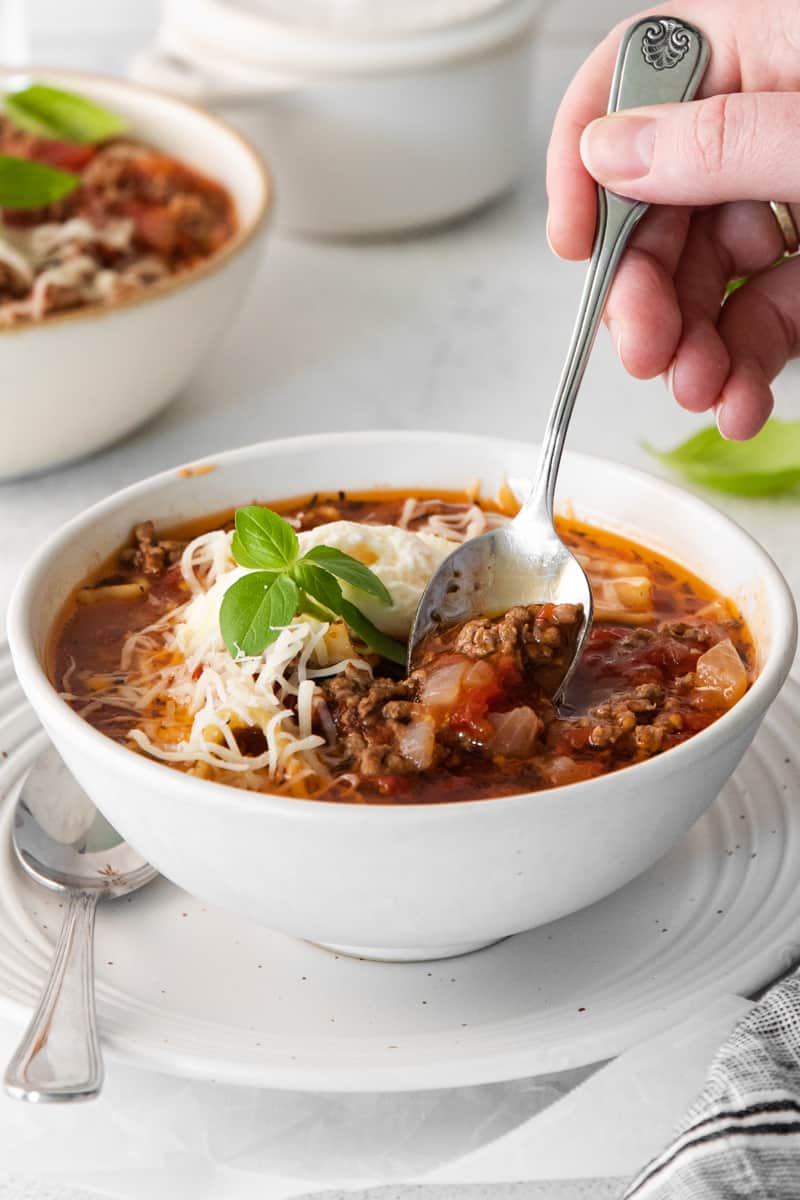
192	991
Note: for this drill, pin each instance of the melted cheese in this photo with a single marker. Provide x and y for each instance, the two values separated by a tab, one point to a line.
403	561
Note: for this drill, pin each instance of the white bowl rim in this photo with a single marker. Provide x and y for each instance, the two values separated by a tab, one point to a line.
244	235
149	772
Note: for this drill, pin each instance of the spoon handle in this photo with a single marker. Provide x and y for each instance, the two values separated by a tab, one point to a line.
661	60
59	1058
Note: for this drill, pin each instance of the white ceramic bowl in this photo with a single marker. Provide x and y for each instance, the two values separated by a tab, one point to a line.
407	881
78	380
367	133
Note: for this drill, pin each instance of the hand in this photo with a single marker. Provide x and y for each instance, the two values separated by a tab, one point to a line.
710	166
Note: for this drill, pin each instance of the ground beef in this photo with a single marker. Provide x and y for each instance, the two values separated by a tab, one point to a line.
539	639
387	730
621	715
173	215
196	221
110	171
14	282
150	555
649	739
521	649
701	633
371	717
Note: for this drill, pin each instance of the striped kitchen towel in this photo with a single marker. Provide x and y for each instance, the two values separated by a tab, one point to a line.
741	1138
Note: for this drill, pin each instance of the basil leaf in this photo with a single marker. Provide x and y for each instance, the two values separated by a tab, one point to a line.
255	561
28	184
324	588
345	567
765	466
319	584
263	539
49	112
372	636
310	608
254	610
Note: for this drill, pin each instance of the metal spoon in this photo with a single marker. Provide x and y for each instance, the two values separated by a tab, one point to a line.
63	842
525	562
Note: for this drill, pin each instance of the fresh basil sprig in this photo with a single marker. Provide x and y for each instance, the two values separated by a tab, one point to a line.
28	184
281	583
51	113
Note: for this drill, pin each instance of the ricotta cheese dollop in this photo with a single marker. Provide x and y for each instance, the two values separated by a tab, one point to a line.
402	560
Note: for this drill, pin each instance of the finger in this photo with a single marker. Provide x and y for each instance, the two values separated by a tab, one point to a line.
702	362
723	244
749	236
729	147
746	402
642	312
570	188
759	324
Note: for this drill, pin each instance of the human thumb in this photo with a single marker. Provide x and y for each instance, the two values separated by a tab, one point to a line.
736	147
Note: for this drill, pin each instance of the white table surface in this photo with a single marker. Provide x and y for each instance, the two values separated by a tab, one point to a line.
462	329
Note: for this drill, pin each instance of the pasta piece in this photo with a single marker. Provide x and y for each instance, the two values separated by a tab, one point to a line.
509	504
715	610
338	644
624	600
606	568
114	591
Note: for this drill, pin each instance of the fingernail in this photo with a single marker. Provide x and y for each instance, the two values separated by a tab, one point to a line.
719	412
616	336
617	148
669	377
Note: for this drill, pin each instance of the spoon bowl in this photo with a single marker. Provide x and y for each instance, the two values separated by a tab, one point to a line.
521	563
64	843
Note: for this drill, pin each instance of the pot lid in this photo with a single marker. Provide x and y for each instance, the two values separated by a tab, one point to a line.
340	35
365	18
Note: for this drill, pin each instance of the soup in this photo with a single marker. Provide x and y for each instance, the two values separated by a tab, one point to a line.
325	710
135	217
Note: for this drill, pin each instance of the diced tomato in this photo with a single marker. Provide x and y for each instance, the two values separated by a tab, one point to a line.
66	156
469	712
392	785
155	225
644	673
674	656
578	736
694	720
603	636
469	715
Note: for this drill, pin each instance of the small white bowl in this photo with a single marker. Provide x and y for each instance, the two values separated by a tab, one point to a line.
409	120
407	882
78	380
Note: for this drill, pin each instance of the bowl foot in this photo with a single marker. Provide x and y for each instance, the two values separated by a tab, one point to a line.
407	953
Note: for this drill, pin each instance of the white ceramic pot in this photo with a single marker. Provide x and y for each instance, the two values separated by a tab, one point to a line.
366	135
79	380
408	881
